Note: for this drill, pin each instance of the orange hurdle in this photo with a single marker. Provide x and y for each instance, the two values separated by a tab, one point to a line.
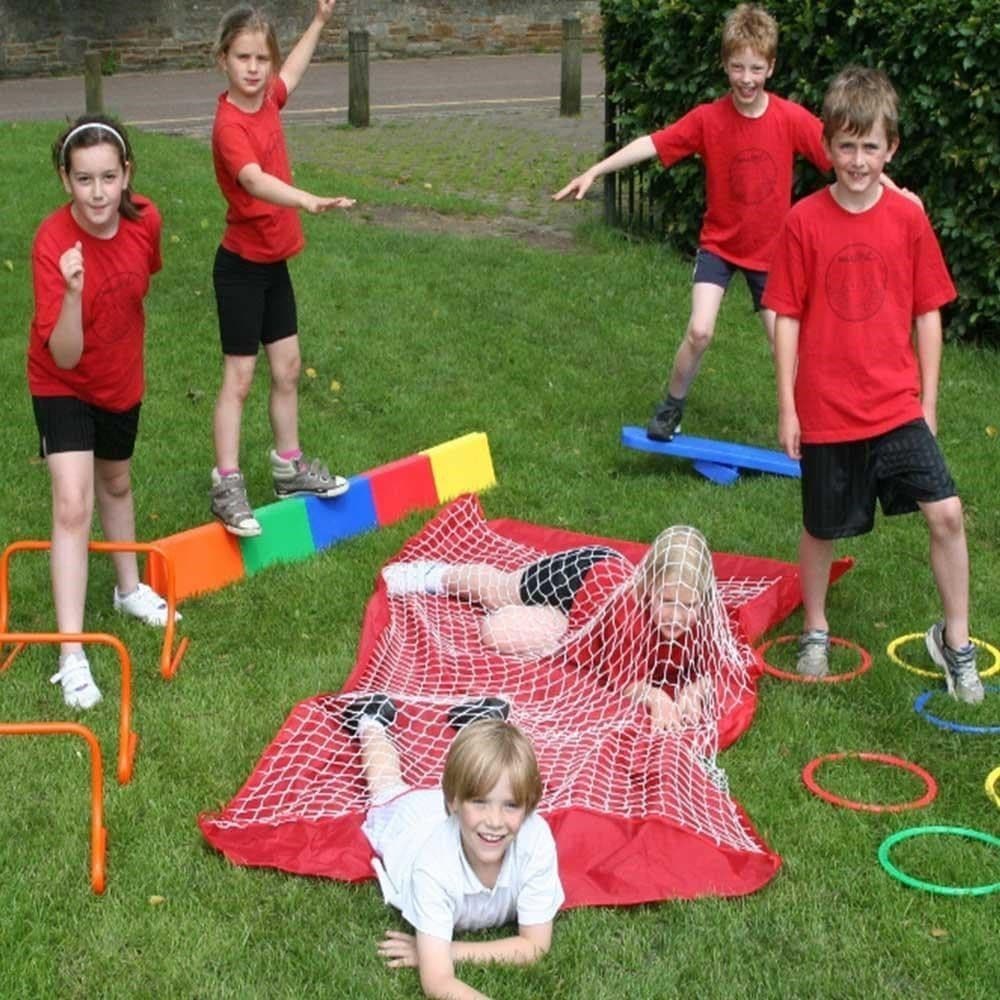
98	834
127	739
170	658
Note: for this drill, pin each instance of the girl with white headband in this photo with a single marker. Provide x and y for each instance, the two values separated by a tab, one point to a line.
91	264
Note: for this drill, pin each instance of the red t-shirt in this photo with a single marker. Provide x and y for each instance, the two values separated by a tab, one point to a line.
613	634
748	171
855	282
255	229
109	373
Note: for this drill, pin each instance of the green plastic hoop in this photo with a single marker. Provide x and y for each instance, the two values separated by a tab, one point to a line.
944	890
890	651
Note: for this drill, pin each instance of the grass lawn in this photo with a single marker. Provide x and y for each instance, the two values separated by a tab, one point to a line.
415	338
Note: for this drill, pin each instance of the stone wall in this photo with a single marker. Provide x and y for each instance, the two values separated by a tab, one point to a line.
44	37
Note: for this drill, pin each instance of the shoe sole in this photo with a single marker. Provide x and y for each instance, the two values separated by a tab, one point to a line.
234	529
664	438
335	491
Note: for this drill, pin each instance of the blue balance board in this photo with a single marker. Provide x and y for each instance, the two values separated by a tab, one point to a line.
719	461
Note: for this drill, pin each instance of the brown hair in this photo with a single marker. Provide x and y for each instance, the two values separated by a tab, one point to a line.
245	18
857	99
750	27
484	751
94	130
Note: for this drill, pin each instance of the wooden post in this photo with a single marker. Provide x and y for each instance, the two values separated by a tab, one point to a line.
572	56
357	81
92	83
610	146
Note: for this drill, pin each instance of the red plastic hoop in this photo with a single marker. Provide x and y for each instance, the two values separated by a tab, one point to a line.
785	675
930	793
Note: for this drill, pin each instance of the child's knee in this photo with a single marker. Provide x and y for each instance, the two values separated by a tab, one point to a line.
237	380
117	486
945	517
699	334
72	510
285	373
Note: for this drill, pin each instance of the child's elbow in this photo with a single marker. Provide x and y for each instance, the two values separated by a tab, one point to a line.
536	946
66	360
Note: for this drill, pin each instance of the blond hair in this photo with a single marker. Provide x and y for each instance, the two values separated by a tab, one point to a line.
750	27
245	18
679	555
483	752
857	99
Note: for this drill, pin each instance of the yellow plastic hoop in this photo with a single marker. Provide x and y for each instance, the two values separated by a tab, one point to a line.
991	785
890	651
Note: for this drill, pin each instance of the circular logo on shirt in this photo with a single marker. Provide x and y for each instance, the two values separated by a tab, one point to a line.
752	176
117	314
856	281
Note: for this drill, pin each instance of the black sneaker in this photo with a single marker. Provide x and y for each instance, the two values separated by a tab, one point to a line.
666	421
379	707
480	708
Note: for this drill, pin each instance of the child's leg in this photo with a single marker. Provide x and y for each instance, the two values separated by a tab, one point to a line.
706	299
486	585
237	377
533	630
286	363
476	582
72	474
113	489
815	559
950	565
379	759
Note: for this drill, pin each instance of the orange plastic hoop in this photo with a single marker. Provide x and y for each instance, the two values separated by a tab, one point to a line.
930	785
170	658
785	675
98	834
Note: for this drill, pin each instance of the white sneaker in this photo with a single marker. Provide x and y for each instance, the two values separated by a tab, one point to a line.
145	604
414	578
79	689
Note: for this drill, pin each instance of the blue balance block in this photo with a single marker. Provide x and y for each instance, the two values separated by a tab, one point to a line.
718	461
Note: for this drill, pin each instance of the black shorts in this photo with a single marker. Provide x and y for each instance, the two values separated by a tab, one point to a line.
711	269
66	423
841	482
554	580
255	302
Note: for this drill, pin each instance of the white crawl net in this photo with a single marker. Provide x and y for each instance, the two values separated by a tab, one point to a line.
580	702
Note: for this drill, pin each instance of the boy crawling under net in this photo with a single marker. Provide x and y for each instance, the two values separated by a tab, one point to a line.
471	855
662	608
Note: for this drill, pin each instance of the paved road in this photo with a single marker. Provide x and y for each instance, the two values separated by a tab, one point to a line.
185	100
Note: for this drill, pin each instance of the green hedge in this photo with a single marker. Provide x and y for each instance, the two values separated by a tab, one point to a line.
662	58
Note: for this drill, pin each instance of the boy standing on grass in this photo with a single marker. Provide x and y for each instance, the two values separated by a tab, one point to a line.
748	141
855	270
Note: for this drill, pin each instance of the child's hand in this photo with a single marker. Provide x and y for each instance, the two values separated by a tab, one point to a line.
399	950
324	8
578	186
664	712
317	206
71	266
789	434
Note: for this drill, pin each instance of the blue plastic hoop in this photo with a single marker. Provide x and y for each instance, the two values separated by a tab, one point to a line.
955	727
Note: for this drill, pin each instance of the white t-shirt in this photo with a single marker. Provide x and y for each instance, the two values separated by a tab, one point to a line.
422	869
